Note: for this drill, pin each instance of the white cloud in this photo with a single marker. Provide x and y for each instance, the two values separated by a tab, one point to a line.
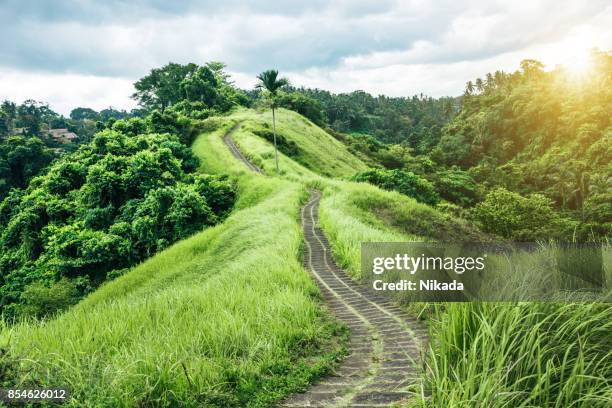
65	92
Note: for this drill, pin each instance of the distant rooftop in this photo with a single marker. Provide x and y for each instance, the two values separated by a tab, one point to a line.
62	135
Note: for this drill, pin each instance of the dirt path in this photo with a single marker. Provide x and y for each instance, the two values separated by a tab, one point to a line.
236	152
385	342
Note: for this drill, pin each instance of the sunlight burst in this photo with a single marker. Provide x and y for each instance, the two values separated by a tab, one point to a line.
578	64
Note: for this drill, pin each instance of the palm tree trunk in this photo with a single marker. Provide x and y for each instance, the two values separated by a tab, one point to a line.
274	132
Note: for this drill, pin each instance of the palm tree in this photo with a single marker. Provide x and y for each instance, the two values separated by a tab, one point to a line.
469	88
490	81
270	81
499	77
479	85
448	109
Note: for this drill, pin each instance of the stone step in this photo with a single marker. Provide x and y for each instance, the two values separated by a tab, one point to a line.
380	397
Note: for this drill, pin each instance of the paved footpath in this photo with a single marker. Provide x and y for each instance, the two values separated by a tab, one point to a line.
386	343
236	152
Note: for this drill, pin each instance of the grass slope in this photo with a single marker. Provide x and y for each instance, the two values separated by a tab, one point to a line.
317	150
227	317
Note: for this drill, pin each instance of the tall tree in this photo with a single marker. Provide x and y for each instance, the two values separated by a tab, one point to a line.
270	81
161	87
489	81
83	113
4	127
200	86
469	88
31	115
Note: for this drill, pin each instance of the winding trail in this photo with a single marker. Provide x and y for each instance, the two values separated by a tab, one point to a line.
236	152
385	344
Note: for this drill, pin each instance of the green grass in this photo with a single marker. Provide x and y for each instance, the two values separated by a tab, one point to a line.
318	151
227	317
352	213
519	355
481	354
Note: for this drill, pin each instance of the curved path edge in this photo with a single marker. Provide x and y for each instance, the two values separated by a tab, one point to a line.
229	141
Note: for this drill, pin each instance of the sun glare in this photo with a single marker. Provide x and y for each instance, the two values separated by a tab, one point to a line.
578	64
572	54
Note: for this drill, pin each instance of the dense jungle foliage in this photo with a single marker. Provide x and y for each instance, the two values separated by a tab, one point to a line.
525	155
117	200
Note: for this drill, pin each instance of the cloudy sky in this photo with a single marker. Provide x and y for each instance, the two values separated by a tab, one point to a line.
88	53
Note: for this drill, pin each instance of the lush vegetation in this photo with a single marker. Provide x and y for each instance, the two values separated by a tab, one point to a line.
113	203
523	355
305	149
34	119
543	136
21	158
500	354
191	89
119	198
417	120
405	182
225	318
504	354
540	132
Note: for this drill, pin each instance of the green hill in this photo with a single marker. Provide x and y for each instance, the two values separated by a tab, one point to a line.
224	317
300	142
229	317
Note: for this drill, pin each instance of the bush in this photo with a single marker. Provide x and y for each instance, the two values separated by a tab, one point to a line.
303	105
519	218
405	182
598	209
457	186
40	300
21	159
287	147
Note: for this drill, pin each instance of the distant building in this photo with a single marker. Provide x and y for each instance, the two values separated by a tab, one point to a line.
62	135
19	131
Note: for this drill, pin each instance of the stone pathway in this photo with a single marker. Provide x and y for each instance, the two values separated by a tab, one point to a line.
236	152
386	343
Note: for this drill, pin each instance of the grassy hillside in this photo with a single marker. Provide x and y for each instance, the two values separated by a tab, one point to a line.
316	150
227	317
352	213
501	354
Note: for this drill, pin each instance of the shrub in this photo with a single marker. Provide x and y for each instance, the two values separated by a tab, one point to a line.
287	147
303	105
21	159
516	217
41	300
597	216
405	182
457	186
